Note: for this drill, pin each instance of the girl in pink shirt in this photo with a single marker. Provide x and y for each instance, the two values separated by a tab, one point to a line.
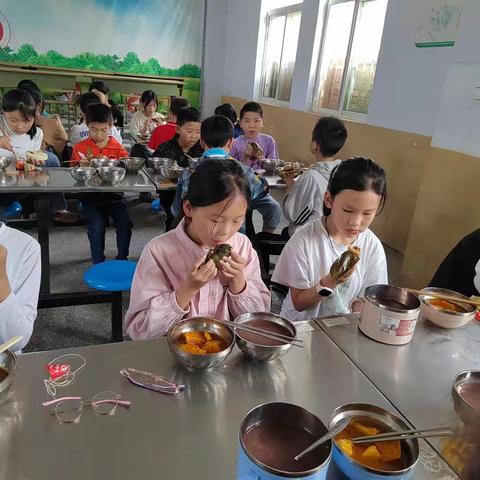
172	280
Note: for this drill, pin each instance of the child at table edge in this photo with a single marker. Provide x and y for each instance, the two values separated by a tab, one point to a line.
172	280
97	207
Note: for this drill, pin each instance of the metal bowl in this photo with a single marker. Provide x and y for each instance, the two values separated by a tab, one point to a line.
98	162
263	352
4	163
464	410
172	172
269	165
8	361
441	316
82	174
199	362
385	421
193	162
157	162
111	174
133	164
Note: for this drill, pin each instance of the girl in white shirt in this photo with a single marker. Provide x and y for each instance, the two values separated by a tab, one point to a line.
18	132
146	120
356	193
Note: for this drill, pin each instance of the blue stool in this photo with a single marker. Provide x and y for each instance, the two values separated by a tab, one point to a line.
113	276
12	210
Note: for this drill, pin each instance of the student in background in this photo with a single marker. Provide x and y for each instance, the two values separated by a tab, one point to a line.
166	132
186	142
227	110
356	193
97	207
54	141
172	279
18	132
460	270
20	272
217	138
80	132
101	89
251	121
304	198
144	121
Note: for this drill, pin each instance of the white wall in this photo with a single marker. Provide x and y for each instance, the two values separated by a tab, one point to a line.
409	83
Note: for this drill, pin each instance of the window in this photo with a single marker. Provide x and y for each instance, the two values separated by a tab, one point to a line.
351	41
282	29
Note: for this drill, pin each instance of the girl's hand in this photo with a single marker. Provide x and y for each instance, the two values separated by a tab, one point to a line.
201	274
6	144
289	181
232	268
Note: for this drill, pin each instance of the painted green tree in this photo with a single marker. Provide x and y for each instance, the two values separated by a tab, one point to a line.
130	63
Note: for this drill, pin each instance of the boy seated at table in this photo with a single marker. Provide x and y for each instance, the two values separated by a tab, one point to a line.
216	138
98	207
164	133
20	272
253	146
80	132
186	142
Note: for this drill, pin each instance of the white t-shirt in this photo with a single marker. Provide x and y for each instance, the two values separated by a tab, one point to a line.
304	202
138	121
307	258
19	310
21	143
80	132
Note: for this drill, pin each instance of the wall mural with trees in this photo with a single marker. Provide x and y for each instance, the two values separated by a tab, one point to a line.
141	37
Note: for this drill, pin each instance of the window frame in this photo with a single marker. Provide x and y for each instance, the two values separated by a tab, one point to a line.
356	116
277	12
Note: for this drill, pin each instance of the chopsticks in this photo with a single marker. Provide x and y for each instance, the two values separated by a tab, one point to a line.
278	337
441	296
440	431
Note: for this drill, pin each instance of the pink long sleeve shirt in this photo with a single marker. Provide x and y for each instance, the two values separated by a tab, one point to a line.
165	263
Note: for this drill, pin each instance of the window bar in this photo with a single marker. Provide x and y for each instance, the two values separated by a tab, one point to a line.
349	54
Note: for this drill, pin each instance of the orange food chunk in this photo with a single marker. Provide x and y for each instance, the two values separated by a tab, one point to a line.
213	346
390	450
192	348
364	430
196	338
208	336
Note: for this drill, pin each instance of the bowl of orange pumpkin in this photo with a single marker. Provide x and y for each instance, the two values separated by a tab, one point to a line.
443	313
200	342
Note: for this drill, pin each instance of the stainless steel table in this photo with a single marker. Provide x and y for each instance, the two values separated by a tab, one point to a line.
159	181
192	435
275	182
417	377
54	180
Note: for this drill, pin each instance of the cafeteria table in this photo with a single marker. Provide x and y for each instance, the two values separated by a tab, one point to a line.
191	435
46	181
417	378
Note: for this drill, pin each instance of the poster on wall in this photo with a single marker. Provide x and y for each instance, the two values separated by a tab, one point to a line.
439	27
141	37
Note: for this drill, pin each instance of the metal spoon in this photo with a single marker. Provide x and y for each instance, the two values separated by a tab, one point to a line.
341	425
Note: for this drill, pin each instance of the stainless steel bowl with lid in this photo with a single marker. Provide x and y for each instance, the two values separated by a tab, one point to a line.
111	174
199	324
